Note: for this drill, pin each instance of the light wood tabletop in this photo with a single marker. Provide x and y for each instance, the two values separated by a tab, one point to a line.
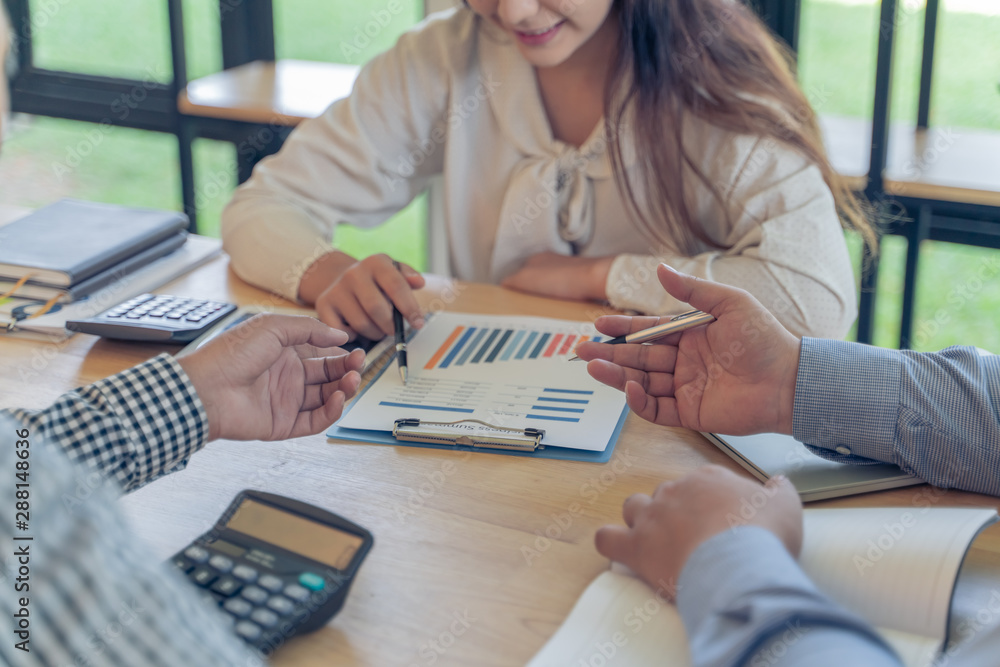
284	92
477	558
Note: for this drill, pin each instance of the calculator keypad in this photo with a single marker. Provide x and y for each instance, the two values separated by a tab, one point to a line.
255	594
156	317
156	308
271	583
255	603
227	587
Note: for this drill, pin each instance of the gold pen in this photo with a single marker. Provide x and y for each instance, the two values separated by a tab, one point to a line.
676	324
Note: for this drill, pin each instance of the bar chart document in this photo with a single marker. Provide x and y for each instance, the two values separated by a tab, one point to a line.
510	372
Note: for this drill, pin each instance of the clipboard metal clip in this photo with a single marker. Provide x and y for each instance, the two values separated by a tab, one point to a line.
510	439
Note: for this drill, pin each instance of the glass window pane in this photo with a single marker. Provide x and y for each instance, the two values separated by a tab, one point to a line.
837	56
45	159
340	31
215	180
120	38
202	37
958	297
967	66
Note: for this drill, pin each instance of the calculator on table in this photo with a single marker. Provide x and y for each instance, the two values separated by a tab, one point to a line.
156	317
276	567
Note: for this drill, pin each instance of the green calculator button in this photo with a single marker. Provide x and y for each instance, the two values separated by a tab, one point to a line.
313	582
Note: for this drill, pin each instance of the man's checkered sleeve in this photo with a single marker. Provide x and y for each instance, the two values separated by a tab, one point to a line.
135	426
936	415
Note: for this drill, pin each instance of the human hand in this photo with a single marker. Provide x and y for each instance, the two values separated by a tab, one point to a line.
274	377
357	296
562	277
662	531
735	375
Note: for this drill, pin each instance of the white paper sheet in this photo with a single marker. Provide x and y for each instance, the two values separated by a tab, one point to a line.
906	590
512	372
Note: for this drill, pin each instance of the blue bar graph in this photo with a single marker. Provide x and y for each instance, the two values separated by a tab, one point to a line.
499	346
418	406
485	346
541	345
513	345
458	347
553	418
472	346
527	345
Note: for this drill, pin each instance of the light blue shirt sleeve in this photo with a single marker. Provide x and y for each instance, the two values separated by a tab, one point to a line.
745	601
936	415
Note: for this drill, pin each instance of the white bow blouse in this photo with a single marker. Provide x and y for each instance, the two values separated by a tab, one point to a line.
454	98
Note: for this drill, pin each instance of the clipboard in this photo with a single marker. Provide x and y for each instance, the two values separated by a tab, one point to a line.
433	440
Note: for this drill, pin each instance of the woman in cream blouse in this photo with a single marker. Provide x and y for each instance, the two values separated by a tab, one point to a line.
551	122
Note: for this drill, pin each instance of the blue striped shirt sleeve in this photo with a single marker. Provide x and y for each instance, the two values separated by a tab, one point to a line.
936	415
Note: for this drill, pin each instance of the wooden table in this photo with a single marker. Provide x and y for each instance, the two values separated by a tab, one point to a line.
478	557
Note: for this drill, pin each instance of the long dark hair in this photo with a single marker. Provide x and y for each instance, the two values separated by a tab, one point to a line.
717	61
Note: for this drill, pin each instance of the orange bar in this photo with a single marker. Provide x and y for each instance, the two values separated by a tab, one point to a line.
553	345
567	344
444	348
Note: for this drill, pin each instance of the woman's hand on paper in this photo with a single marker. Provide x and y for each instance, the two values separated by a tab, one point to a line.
274	377
663	530
561	277
358	296
735	375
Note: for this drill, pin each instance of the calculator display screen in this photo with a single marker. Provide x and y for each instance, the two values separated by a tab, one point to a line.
295	533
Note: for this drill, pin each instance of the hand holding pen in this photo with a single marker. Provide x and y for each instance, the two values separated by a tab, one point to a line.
358	296
735	375
676	324
399	330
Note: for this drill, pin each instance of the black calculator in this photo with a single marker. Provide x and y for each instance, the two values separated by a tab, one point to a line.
277	567
156	317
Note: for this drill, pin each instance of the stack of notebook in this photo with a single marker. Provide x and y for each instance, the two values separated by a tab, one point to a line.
67	251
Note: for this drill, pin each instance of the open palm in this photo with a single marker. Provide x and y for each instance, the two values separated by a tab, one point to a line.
274	377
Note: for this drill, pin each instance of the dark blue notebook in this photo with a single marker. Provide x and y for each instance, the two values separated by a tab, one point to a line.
63	244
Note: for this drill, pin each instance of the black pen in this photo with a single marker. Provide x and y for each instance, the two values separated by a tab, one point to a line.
399	326
675	324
